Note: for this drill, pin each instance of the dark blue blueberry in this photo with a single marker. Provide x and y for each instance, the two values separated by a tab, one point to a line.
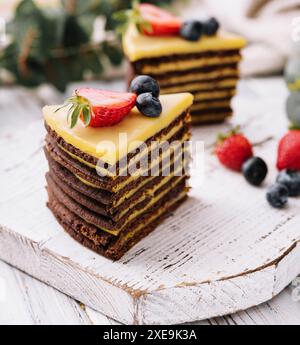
192	30
144	84
277	195
148	105
211	27
291	179
255	171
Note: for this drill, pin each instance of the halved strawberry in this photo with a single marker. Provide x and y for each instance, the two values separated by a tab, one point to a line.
159	22
99	108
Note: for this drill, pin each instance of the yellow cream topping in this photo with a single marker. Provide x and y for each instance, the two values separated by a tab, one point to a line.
138	46
110	144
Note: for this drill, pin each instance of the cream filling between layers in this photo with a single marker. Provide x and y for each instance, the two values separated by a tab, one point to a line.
151	192
165	67
132	161
202	96
128	236
197	119
196	76
194	87
139	212
130	193
211	105
132	178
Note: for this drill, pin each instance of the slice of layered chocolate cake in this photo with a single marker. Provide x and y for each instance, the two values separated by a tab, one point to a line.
193	56
116	174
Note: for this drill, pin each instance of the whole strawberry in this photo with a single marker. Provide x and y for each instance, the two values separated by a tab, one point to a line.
289	151
233	150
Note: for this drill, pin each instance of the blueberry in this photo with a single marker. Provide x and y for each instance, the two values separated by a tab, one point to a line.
255	170
291	179
211	27
277	195
192	30
149	105
144	84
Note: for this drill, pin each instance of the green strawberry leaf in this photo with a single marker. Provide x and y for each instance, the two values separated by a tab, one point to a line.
75	115
86	112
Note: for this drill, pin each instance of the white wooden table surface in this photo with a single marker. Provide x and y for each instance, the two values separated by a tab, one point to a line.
24	300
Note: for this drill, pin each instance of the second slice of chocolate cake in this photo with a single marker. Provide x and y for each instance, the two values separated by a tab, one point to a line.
110	187
208	68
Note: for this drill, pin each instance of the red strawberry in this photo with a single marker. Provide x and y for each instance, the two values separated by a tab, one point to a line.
99	108
289	151
234	150
162	23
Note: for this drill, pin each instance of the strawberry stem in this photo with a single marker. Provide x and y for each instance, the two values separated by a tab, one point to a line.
78	106
293	127
223	136
133	15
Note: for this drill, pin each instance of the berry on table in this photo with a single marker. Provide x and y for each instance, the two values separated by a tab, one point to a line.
211	27
144	84
289	151
233	150
148	105
290	179
255	171
192	30
277	195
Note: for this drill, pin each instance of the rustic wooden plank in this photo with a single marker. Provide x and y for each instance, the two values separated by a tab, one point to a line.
238	252
14	309
28	301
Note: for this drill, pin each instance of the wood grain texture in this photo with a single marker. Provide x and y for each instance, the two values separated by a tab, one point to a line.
224	250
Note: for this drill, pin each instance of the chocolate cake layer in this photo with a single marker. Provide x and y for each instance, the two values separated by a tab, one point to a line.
122	219
106	244
108	200
191	80
90	174
209	119
226	103
194	76
204	70
214	95
186	57
109	208
201	86
212	111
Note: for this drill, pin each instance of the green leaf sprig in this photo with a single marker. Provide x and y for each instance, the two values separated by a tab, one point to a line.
78	106
131	16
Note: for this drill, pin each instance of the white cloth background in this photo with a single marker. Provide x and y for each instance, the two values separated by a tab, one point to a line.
266	24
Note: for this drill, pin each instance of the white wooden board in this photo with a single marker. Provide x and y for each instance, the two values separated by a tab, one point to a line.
224	250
